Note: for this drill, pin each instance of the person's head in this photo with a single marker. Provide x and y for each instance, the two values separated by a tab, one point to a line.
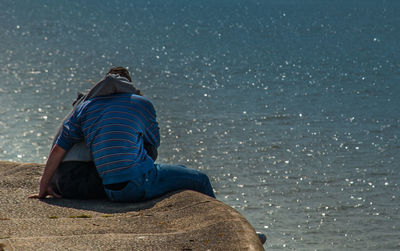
121	71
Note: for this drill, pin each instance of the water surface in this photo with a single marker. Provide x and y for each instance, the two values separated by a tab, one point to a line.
292	108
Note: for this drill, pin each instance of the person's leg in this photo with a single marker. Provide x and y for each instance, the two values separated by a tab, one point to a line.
132	191
168	178
78	180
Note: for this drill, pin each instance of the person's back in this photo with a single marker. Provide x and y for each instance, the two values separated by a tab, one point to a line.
114	128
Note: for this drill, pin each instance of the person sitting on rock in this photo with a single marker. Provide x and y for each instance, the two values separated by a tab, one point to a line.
114	128
76	177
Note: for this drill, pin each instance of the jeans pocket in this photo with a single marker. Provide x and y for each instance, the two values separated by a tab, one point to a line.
132	192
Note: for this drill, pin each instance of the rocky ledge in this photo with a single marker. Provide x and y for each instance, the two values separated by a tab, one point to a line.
181	221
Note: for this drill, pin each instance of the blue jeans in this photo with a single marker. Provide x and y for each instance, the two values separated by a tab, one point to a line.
160	180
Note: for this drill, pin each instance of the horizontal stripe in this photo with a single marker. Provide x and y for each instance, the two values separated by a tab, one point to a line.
104	120
115	162
130	118
113	148
120	108
113	128
140	101
110	140
114	155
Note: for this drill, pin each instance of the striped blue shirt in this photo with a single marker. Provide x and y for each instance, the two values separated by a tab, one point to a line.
114	128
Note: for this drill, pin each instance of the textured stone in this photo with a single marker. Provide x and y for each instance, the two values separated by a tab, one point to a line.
183	221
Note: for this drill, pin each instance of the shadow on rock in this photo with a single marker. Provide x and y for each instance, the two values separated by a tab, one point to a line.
106	206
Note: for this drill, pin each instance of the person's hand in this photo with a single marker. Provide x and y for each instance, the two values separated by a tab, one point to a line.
56	155
43	194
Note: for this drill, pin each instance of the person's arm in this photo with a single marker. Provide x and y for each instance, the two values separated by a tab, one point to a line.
70	134
152	131
55	157
151	139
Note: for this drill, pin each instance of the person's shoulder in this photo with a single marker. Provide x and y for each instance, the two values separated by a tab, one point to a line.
82	106
123	97
143	102
140	99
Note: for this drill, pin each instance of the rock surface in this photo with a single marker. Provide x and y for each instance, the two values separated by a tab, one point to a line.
181	221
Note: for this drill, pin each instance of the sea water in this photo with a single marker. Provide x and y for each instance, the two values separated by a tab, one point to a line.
291	107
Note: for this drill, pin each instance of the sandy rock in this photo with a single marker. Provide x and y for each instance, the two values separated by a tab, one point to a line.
181	221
